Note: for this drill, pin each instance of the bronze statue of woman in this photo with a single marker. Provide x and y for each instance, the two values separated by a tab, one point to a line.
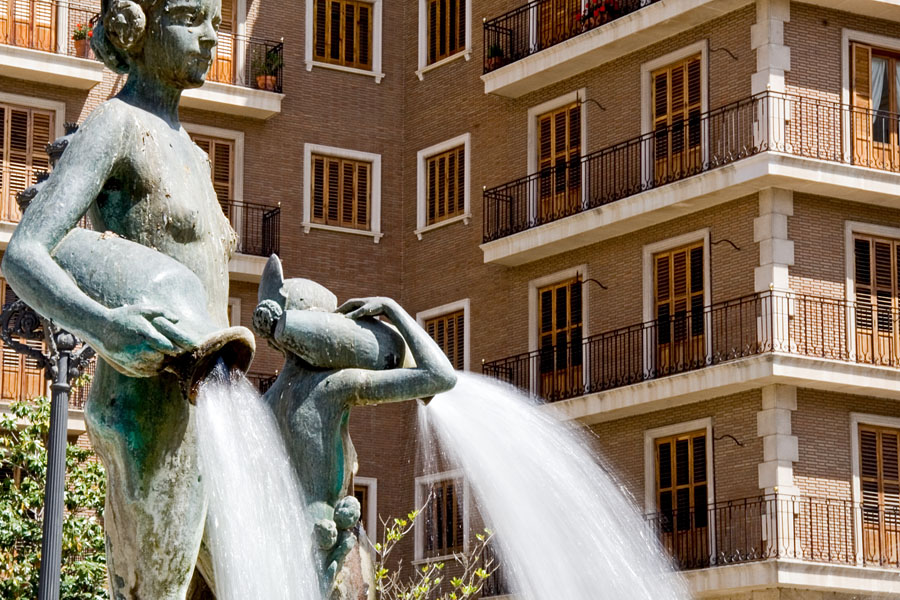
135	171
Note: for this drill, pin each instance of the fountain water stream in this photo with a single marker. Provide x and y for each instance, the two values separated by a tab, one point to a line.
258	532
563	526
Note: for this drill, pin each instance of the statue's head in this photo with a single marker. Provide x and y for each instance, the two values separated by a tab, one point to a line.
172	39
277	295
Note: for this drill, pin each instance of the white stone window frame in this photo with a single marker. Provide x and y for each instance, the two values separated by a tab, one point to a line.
234	304
647	68
59	119
857	419
377	24
534	318
375	209
534	113
237	174
422	157
851	229
370	519
466	53
848	36
446	309
648	273
650	437
422	483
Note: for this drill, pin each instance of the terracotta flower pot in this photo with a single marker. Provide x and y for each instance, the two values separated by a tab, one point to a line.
82	48
266	82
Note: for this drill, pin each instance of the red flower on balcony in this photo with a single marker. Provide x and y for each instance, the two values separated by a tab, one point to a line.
599	12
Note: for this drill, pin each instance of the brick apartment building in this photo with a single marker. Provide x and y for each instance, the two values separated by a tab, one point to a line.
687	239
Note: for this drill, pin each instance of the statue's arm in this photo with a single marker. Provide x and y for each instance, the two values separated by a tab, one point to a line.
72	187
432	375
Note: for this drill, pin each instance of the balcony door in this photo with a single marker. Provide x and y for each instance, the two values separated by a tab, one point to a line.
880	486
28	23
679	297
556	21
21	377
876	102
223	66
877	262
560	338
677	106
559	162
682	498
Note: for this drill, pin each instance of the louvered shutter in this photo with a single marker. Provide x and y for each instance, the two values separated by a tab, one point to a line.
876	265
680	319
677	105
880	486
221	163
446	28
445	188
433	31
448	331
4	22
862	104
222	69
22	377
44	25
364	36
24	135
341	194
320	29
559	161
682	496
560	337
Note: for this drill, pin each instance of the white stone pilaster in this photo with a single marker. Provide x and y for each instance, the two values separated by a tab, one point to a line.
773	58
776	471
772	277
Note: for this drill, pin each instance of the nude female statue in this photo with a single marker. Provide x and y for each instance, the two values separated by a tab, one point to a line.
133	169
337	358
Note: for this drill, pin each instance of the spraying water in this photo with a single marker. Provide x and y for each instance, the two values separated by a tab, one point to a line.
563	527
259	537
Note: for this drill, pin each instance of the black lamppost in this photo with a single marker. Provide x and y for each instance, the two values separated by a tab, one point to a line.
61	363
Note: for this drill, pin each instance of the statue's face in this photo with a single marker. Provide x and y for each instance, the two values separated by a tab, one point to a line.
180	41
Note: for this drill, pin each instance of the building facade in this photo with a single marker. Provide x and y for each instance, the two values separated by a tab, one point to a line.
674	220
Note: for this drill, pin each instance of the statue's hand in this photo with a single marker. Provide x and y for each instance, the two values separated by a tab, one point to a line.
368	307
139	334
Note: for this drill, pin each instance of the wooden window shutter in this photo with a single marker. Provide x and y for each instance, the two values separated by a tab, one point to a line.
364	27
221	166
445	186
446	26
448	331
444	519
560	334
559	154
679	289
24	135
341	192
320	29
342	32
879	473
677	118
681	481
862	103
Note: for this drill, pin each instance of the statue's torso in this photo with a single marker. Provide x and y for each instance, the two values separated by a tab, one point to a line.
160	195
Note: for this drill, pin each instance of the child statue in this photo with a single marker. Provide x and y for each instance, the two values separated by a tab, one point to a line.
135	171
338	358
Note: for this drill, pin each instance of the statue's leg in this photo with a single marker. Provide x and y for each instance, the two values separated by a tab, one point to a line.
145	432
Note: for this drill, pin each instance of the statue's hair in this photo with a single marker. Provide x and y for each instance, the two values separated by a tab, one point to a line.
119	32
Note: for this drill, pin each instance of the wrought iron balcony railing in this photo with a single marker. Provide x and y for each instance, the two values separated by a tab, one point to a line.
248	62
262	381
496	583
784	123
257	225
779	526
541	24
696	339
48	25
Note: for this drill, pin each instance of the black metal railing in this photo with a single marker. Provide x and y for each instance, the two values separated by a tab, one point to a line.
705	336
248	62
541	24
78	395
48	25
257	225
780	526
496	584
786	123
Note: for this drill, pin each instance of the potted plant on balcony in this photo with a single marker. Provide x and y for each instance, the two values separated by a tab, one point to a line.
81	37
266	66
494	57
598	12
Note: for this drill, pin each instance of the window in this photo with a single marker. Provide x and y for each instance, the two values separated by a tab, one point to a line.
234	311
28	23
879	448
682	496
876	102
449	331
677	106
222	68
21	377
560	337
447	24
343	33
443	520
876	262
222	158
24	135
678	300
341	192
559	161
365	489
446	185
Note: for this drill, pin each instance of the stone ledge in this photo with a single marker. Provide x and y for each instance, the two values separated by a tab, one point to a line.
50	68
233	100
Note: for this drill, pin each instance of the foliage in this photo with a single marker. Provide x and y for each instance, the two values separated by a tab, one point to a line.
495	51
267	63
82	31
426	583
598	12
23	467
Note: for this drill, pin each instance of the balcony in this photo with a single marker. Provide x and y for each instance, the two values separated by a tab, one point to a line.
839	538
783	124
257	225
758	324
36	43
541	24
245	78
